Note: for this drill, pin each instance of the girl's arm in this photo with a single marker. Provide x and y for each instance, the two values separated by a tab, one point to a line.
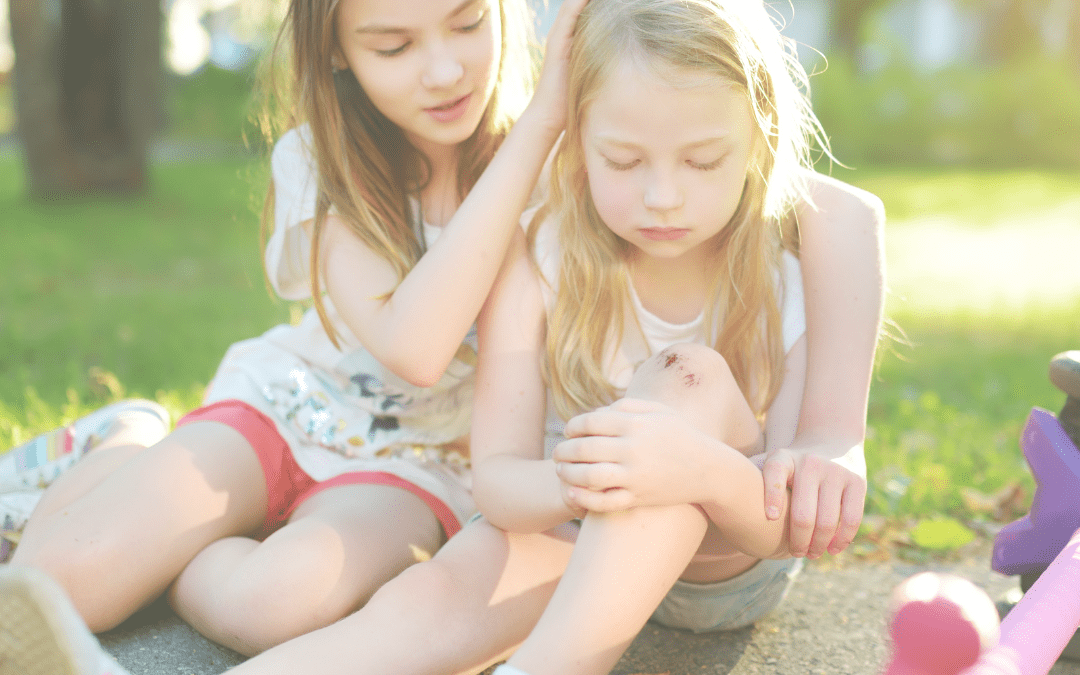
659	457
415	327
514	486
843	278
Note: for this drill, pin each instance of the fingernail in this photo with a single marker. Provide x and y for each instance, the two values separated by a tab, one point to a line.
772	513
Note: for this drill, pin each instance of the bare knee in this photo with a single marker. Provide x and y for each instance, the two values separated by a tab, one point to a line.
86	570
258	608
681	370
698	381
437	603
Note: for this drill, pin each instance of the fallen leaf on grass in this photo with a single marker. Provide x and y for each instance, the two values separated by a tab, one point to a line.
941	534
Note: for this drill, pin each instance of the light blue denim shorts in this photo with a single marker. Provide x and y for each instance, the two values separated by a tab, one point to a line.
729	604
723	605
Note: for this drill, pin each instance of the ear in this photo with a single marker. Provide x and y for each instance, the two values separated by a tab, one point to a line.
337	62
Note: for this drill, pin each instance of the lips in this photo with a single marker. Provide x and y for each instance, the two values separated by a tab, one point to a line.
663	233
450	111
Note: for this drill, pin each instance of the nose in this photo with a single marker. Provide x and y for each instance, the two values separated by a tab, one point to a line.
662	192
443	68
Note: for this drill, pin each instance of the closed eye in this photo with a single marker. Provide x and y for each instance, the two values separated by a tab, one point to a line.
392	52
473	26
617	166
705	166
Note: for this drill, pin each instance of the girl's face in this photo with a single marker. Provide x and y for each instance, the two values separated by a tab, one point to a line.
666	162
429	65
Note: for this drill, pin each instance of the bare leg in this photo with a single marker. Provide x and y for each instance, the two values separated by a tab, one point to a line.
133	426
625	562
337	549
457	613
118	544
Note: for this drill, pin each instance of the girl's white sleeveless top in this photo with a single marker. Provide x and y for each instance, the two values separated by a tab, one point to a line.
339	409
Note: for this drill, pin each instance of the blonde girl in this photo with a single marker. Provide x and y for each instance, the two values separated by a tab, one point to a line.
673	345
329	455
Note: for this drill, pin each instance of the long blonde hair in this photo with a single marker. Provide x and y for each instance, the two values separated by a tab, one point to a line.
736	41
367	168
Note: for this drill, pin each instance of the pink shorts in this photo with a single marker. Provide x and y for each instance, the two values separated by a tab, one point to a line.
287	485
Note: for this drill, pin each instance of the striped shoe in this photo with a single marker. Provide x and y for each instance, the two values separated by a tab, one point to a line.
37	463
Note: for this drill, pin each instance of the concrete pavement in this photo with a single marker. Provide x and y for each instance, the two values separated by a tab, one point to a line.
832	623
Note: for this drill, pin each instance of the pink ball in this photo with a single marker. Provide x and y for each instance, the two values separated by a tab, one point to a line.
941	623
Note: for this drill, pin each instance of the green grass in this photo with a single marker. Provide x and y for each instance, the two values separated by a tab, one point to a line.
150	290
153	290
974	198
214	103
946	411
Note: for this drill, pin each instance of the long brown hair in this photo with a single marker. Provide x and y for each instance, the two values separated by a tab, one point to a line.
367	169
735	41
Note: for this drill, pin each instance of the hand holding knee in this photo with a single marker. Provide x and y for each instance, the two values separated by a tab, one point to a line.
634	453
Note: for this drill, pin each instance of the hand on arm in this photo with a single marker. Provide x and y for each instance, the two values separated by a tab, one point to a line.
843	281
643	453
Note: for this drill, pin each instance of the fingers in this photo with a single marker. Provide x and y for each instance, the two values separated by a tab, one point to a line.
599	476
607	501
851	513
830	494
568	499
805	490
612	420
588	449
826	508
777	473
600	422
563	25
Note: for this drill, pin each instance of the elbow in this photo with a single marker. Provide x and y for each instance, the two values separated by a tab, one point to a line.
415	367
492	505
423	377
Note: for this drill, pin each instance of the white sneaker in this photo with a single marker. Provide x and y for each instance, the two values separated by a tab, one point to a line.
41	633
36	463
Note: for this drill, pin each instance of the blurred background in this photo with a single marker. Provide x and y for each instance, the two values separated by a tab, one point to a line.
129	220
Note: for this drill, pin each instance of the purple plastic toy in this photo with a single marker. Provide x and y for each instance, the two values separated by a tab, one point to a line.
1028	545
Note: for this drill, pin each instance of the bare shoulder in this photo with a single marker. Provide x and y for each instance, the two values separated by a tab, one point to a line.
837	198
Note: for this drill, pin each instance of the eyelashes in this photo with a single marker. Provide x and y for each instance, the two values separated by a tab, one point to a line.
626	166
616	166
471	28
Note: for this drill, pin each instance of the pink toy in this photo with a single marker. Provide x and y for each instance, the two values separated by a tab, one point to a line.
941	624
945	625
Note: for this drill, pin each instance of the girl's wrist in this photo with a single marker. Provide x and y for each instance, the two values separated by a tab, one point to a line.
538	119
709	483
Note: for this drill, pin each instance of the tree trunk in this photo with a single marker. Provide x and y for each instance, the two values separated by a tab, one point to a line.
1012	32
848	18
1072	40
88	89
